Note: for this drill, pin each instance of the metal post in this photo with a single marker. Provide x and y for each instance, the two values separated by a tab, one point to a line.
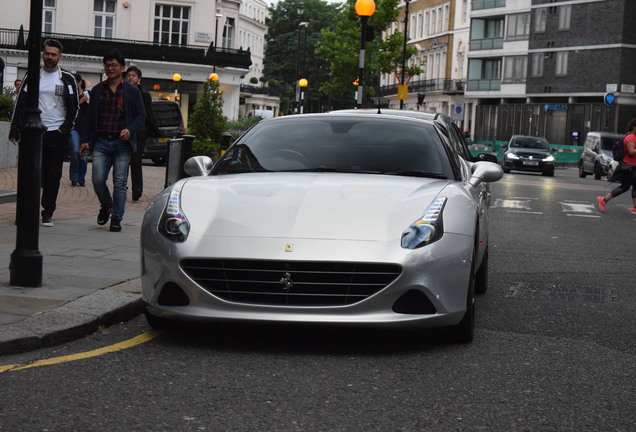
406	27
26	260
363	35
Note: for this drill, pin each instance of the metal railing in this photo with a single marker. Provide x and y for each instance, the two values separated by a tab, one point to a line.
85	45
442	85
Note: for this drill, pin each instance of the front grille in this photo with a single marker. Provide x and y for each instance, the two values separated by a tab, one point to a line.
290	283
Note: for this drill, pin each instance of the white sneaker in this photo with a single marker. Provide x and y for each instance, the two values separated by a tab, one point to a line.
46	221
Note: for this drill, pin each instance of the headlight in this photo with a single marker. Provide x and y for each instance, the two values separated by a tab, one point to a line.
426	229
548	158
173	223
511	155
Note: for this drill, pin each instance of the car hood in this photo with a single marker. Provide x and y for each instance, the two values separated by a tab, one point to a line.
307	205
529	151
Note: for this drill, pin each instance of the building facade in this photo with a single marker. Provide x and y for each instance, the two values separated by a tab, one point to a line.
439	31
162	37
543	67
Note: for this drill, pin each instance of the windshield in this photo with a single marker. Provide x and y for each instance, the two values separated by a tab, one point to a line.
607	142
530	143
320	143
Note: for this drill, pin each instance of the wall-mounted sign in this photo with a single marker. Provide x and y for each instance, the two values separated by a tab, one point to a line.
555	107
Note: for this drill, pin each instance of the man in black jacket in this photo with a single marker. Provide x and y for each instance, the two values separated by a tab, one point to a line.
149	130
58	103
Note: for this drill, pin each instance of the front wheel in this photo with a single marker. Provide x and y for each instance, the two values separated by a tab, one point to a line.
582	173
464	332
481	278
597	172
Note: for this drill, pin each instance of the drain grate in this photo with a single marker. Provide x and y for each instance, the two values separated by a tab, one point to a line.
565	292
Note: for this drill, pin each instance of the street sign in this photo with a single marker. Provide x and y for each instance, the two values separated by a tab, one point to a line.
403	91
458	112
609	98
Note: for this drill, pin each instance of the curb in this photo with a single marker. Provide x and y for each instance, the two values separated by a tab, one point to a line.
71	321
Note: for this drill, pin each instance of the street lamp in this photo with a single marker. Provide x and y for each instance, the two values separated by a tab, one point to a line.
177	82
299	10
302	83
406	26
214	76
216	31
364	9
25	266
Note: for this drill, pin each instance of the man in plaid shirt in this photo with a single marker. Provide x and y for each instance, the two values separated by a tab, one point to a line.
115	114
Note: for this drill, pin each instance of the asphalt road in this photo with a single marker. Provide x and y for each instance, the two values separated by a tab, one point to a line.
554	349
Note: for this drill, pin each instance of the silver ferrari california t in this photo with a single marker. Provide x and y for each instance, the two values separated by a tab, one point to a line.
338	218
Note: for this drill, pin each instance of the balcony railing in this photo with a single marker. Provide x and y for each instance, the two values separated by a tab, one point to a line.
269	91
484	44
483	84
487	4
442	85
85	45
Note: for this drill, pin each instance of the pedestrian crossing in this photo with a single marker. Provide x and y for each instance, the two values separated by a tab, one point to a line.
534	206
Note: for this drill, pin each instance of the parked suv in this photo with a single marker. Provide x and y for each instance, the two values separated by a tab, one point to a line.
597	153
170	125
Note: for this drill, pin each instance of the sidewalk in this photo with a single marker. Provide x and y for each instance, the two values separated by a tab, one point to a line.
90	276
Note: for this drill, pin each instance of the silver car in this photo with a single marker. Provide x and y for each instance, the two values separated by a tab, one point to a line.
339	218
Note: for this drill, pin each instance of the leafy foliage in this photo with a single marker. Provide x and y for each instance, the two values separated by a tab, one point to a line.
207	122
281	58
6	107
382	56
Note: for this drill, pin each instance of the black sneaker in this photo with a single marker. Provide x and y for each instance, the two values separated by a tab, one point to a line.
73	183
115	224
136	195
46	221
104	213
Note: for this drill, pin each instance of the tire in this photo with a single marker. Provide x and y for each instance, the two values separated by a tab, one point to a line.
159	323
582	173
159	160
464	332
481	278
597	172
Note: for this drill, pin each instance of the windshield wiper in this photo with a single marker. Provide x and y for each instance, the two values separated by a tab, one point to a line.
336	170
413	173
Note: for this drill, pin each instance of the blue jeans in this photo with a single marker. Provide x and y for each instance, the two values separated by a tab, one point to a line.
77	169
115	154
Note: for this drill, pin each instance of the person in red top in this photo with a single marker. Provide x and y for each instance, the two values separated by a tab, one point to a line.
629	167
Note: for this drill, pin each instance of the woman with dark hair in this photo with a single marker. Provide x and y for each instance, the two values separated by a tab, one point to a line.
78	166
628	178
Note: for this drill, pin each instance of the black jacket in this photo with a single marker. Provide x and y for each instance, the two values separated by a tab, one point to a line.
71	102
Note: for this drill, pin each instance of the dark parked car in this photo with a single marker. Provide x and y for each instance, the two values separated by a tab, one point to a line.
597	153
528	153
170	125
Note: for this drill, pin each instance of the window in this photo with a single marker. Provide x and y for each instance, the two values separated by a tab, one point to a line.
171	24
433	21
564	17
104	20
48	16
464	11
537	64
518	27
515	69
540	17
561	63
228	33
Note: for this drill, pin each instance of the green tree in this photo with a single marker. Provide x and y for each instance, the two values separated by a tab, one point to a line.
282	46
207	122
341	46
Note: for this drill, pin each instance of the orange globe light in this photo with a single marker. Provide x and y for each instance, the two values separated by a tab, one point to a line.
303	82
176	77
365	7
156	87
214	76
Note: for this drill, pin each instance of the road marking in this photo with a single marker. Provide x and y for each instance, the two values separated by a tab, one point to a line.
144	337
579	209
515	205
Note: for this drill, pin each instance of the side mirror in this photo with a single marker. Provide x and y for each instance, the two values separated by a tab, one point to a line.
486	157
198	166
485	172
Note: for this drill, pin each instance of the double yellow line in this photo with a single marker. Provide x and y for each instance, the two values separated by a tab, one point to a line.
144	337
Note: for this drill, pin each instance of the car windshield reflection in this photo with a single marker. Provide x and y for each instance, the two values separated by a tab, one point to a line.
319	144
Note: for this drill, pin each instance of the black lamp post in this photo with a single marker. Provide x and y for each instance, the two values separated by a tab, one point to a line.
26	260
406	27
364	9
216	34
299	10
